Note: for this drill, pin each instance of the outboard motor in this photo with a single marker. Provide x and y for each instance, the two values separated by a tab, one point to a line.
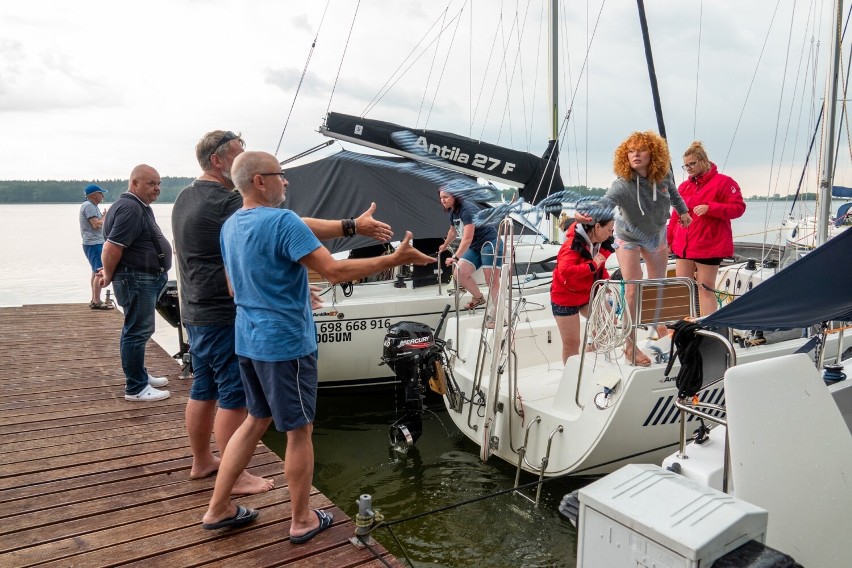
168	306
416	358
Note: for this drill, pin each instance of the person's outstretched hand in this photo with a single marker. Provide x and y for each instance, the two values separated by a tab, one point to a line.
373	228
407	254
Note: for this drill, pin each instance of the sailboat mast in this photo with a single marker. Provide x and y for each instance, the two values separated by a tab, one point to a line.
827	176
652	72
553	63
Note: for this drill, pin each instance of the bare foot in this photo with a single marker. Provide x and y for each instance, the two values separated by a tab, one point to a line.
642	360
248	484
198	472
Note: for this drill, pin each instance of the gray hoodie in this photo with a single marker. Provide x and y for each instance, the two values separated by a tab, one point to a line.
644	210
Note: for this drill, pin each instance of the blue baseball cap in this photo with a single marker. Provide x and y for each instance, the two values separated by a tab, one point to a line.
92	188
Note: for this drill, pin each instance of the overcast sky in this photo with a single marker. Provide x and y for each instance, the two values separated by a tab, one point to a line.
89	89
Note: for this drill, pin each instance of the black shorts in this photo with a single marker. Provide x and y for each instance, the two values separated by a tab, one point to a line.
715	261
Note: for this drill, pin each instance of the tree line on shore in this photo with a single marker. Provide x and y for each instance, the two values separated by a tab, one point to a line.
71	191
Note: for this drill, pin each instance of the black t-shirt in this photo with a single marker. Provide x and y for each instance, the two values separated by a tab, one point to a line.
125	225
199	212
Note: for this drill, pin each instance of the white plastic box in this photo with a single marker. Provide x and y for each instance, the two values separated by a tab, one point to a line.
644	515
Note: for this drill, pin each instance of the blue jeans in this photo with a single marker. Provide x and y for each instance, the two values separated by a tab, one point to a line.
215	366
137	293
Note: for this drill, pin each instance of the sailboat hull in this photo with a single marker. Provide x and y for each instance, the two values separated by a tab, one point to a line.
350	330
588	433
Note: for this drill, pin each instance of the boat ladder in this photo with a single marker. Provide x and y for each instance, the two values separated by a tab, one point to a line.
542	468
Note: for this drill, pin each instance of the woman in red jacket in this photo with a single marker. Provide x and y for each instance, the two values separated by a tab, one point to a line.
713	199
580	262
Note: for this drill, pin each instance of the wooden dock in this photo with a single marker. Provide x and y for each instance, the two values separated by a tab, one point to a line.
89	479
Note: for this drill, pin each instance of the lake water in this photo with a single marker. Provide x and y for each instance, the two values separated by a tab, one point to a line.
43	262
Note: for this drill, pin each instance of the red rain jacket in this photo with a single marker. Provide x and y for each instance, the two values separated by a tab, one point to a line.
709	235
575	271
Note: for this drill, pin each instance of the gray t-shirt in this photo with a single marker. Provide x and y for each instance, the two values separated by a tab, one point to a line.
91	236
199	212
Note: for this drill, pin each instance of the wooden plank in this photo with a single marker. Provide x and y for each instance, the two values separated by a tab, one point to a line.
89	479
668	303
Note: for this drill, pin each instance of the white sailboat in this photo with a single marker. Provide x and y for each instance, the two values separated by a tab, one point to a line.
515	401
782	446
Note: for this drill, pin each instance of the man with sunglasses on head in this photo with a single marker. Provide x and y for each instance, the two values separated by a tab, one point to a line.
208	311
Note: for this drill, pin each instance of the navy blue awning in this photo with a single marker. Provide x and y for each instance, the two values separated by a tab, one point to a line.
840	191
816	288
339	186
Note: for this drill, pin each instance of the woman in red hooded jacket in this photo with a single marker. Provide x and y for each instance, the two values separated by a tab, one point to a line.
579	263
713	200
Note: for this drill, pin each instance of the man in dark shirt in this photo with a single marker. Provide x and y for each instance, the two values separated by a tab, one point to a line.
136	257
207	309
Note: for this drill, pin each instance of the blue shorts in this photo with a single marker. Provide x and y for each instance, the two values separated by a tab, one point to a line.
93	253
484	256
561	311
286	391
215	366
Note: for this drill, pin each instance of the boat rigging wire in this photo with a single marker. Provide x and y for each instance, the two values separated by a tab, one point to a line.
751	84
301	79
778	114
431	68
441	76
391	81
697	68
342	57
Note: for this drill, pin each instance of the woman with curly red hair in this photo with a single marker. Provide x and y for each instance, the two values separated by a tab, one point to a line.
644	192
714	199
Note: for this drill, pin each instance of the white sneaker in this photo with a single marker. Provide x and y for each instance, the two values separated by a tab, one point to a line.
157	381
148	394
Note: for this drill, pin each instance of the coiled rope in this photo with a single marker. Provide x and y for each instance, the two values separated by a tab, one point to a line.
609	319
690	377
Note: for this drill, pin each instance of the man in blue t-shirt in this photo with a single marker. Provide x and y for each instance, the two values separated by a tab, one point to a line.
267	252
91	229
217	401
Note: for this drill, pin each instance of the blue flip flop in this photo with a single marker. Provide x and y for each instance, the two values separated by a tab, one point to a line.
325	520
242	517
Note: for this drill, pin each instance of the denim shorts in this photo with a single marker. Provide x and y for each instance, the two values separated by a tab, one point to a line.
650	244
215	366
484	256
286	391
561	311
93	253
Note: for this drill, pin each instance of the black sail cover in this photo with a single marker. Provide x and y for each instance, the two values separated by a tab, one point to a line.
812	290
341	186
537	177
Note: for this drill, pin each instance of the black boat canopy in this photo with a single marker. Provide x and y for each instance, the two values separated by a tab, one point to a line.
343	186
454	152
812	290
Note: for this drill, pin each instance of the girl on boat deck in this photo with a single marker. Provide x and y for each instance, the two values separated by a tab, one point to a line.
644	192
579	264
477	247
714	200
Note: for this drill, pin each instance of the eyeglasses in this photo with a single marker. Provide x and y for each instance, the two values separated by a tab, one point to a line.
227	137
279	174
690	165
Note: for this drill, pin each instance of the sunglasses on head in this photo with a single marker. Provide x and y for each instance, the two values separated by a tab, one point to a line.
227	137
